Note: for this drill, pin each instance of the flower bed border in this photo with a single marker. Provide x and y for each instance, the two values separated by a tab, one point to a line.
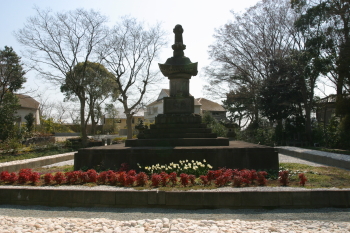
176	199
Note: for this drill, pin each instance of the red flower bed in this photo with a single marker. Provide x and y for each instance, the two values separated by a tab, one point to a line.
129	178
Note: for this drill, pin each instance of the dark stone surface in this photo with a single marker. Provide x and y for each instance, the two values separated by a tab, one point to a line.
236	155
174	199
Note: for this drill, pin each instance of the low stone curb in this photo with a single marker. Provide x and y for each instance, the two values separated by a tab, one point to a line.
316	158
178	200
35	162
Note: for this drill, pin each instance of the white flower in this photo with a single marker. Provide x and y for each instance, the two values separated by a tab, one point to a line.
186	161
192	161
204	161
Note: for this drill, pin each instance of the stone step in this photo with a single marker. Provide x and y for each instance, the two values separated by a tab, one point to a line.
173	142
178	130
177	126
181	135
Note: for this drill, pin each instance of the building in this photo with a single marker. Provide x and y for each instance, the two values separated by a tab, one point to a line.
218	112
201	105
28	105
325	109
118	123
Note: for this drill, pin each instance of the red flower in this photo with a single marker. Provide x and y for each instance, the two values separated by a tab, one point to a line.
284	177
204	180
48	178
24	175
165	178
184	179
192	179
34	177
156	179
59	178
302	179
4	176
173	178
141	179
261	178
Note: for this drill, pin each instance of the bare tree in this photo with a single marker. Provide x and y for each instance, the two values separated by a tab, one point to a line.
56	42
129	54
244	47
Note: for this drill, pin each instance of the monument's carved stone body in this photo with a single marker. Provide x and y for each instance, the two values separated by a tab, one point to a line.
178	121
178	134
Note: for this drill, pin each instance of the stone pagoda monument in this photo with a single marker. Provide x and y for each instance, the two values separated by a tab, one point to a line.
178	134
178	126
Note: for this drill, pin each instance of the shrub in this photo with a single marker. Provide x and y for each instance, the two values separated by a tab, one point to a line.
237	181
223	179
184	179
173	178
4	176
204	180
156	179
141	179
34	177
102	177
165	178
112	177
130	179
48	177
24	175
59	178
261	178
122	178
192	179
283	177
302	179
211	176
73	177
91	176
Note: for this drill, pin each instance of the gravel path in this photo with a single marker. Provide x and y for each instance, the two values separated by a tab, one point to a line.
62	219
59	219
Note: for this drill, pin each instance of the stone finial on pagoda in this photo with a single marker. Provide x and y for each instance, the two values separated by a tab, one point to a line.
178	64
179	69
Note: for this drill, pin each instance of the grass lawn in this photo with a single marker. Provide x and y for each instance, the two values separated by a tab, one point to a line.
33	154
318	177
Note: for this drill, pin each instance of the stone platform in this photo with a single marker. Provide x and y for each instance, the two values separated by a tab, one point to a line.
237	155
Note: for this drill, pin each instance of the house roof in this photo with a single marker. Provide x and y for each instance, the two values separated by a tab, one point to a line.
208	105
121	114
27	102
167	92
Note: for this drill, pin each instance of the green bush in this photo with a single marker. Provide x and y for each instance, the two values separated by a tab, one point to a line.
214	125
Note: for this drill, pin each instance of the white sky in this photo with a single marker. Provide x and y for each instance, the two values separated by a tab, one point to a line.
198	18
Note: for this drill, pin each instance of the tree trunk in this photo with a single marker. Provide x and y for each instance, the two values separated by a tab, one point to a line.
84	136
308	130
129	125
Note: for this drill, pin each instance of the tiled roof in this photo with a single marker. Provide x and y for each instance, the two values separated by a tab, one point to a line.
208	105
27	102
121	114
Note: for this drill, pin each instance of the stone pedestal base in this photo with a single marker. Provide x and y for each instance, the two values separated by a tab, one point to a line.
237	155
